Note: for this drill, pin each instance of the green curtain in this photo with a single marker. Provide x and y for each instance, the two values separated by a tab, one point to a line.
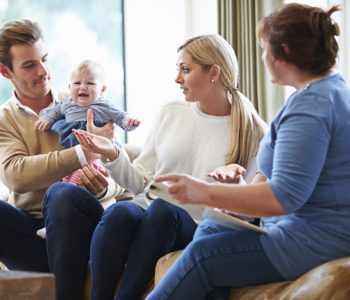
237	22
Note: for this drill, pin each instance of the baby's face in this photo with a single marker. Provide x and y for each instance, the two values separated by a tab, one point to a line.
85	88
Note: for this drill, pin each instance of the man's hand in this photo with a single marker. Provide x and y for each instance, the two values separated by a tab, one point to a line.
107	130
42	125
93	180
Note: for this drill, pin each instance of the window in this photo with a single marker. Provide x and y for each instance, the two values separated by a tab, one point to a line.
74	31
154	29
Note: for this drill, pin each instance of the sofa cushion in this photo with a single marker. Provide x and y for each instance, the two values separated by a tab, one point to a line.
328	281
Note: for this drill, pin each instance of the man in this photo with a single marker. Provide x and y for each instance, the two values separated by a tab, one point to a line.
33	163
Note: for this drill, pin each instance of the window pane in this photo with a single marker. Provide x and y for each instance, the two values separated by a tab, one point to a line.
75	30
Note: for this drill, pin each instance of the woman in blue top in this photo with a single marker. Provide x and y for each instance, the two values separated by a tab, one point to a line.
302	190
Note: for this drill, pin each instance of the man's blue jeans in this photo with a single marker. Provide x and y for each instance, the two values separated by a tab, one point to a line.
131	239
214	262
70	216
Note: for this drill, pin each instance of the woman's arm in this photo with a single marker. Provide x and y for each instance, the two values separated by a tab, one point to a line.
256	199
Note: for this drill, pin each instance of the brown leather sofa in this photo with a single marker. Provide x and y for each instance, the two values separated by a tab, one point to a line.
330	281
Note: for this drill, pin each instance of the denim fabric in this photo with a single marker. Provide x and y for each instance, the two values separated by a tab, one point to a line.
131	239
207	227
211	264
20	247
71	215
110	246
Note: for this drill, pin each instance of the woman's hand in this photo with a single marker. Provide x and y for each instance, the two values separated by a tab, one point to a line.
107	130
228	174
96	144
186	189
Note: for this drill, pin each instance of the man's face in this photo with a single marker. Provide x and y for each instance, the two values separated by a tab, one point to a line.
30	75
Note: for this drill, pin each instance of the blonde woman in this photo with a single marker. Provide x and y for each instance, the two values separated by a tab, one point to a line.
215	126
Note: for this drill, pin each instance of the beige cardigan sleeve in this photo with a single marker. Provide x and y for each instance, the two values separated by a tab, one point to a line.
30	159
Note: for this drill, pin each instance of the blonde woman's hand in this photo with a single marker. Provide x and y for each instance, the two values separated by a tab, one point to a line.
185	188
228	174
92	143
107	130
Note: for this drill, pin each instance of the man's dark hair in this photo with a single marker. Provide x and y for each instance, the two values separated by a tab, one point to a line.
17	32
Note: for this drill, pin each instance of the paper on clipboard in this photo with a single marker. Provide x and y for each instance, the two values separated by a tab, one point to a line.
229	221
160	189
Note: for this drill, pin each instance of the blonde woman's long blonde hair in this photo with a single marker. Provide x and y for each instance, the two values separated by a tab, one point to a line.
247	127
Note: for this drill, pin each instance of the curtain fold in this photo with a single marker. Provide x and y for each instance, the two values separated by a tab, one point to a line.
237	23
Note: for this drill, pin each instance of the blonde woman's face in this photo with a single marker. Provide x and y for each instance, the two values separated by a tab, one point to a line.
194	81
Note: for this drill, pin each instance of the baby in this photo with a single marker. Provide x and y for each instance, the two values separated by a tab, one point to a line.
87	86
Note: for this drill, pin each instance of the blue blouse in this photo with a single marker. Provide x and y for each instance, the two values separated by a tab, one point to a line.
306	159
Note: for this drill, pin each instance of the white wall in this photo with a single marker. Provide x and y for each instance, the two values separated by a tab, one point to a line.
154	29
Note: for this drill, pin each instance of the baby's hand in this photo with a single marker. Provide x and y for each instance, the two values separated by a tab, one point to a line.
133	122
228	174
42	125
